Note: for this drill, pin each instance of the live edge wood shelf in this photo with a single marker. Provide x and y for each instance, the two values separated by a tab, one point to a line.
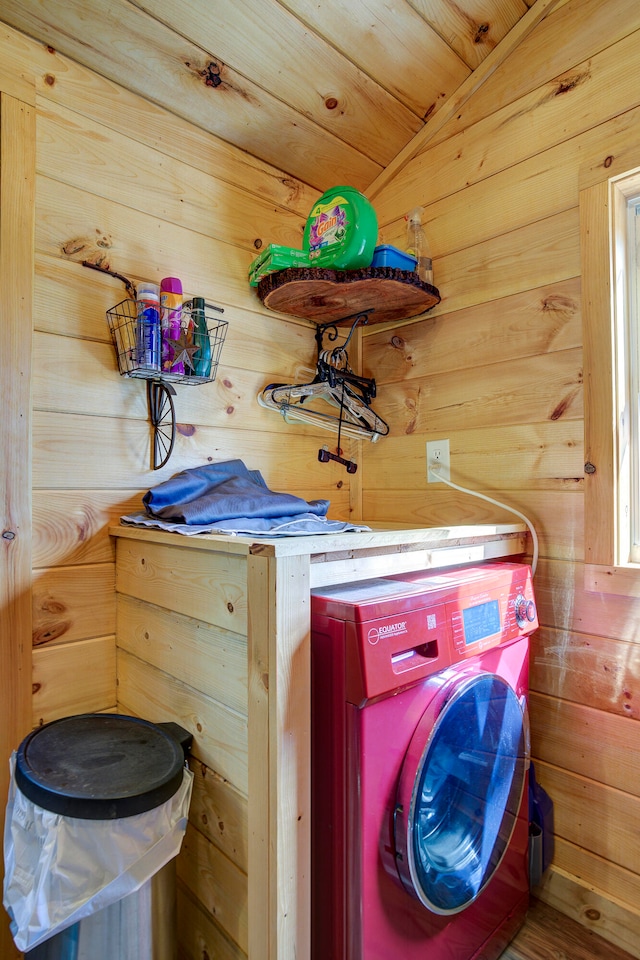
213	632
327	296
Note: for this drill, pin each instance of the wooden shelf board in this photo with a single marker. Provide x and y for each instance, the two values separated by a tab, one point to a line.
327	296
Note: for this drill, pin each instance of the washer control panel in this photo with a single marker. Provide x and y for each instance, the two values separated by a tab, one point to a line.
404	627
499	609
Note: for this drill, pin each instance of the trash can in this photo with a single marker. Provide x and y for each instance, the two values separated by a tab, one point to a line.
97	811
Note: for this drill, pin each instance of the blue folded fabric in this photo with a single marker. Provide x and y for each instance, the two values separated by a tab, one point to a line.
224	491
305	524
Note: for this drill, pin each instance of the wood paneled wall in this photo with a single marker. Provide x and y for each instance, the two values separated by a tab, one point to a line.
17	176
182	656
124	185
497	369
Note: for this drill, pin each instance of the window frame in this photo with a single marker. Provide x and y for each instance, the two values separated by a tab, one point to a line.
630	468
604	266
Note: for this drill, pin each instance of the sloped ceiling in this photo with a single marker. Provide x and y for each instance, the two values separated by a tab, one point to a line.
328	91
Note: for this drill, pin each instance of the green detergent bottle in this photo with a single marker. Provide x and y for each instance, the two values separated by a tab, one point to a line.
341	230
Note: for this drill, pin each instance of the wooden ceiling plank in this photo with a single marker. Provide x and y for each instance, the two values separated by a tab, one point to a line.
61	81
260	39
127	46
576	30
402	52
534	15
472	30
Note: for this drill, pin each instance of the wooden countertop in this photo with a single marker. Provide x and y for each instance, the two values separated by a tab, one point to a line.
335	558
378	536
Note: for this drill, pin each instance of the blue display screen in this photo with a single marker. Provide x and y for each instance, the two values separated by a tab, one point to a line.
481	621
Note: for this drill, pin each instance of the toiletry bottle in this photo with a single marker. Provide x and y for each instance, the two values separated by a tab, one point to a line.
148	326
170	321
417	245
202	357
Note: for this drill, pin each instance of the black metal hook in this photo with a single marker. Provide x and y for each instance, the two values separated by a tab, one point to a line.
324	456
322	328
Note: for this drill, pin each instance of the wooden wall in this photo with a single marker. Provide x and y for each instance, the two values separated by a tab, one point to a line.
125	186
17	176
182	656
497	369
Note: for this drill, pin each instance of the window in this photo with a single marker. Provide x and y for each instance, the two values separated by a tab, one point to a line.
610	246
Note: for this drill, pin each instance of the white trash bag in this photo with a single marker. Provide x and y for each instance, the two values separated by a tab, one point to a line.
60	869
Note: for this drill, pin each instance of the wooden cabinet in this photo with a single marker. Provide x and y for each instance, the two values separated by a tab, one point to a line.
213	632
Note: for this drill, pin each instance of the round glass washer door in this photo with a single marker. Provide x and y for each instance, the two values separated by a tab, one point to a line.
459	793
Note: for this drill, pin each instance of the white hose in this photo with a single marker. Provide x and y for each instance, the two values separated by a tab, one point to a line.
435	468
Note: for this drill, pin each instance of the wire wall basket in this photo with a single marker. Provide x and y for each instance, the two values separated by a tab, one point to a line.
184	350
181	346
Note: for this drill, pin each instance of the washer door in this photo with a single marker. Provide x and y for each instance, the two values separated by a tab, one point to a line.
460	790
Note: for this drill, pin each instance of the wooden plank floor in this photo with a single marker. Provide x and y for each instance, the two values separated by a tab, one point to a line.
549	935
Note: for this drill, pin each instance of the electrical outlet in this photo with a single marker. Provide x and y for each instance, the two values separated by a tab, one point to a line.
438	452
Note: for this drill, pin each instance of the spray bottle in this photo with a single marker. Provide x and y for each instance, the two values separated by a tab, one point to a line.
417	245
148	325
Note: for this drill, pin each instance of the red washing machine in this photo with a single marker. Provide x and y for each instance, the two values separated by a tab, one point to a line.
420	752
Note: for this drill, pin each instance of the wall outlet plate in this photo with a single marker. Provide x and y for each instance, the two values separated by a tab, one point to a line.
438	453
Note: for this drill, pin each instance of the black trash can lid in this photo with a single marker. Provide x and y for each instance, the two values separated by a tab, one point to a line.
101	766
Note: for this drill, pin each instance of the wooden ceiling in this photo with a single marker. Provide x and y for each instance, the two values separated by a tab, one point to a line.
328	91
